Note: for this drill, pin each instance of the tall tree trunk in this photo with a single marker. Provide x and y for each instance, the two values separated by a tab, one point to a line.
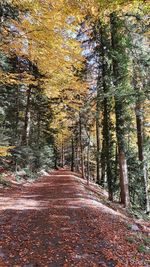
116	165
17	112
88	160
72	154
55	158
38	128
119	108
103	163
98	146
26	128
62	153
106	116
139	125
107	137
81	147
76	146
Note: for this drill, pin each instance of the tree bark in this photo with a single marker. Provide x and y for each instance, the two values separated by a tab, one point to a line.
119	109
62	154
81	147
106	117
72	155
88	160
139	130
98	147
26	128
139	125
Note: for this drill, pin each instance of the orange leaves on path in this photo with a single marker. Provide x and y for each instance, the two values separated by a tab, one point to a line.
57	221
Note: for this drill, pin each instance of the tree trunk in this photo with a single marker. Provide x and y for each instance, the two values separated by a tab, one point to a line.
125	198
72	155
62	154
103	163
81	147
119	108
38	128
88	161
106	135
17	113
139	125
123	171
77	156
139	131
98	176
55	158
26	128
106	118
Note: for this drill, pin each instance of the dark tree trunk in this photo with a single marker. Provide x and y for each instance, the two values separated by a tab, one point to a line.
17	113
88	160
81	147
106	117
119	109
72	155
139	125
98	146
55	158
103	163
139	130
77	156
62	154
38	128
26	128
106	135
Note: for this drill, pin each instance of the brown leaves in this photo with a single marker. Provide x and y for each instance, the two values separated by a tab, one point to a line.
64	229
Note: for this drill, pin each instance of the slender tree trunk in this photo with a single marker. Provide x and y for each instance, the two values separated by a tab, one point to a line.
147	199
139	130
119	110
76	155
140	142
123	171
98	147
139	124
38	128
26	128
88	161
116	165
17	112
106	117
62	154
106	136
72	155
81	147
55	158
103	163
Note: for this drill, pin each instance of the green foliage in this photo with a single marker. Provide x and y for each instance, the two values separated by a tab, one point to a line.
143	249
146	240
46	158
3	182
129	226
32	159
131	239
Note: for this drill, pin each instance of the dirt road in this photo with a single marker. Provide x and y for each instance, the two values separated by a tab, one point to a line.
58	222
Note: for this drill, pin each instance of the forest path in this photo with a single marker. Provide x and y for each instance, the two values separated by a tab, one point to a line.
58	222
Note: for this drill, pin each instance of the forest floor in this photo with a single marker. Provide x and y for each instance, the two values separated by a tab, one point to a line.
59	221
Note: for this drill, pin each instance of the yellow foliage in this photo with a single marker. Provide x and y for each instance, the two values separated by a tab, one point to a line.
46	36
4	150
